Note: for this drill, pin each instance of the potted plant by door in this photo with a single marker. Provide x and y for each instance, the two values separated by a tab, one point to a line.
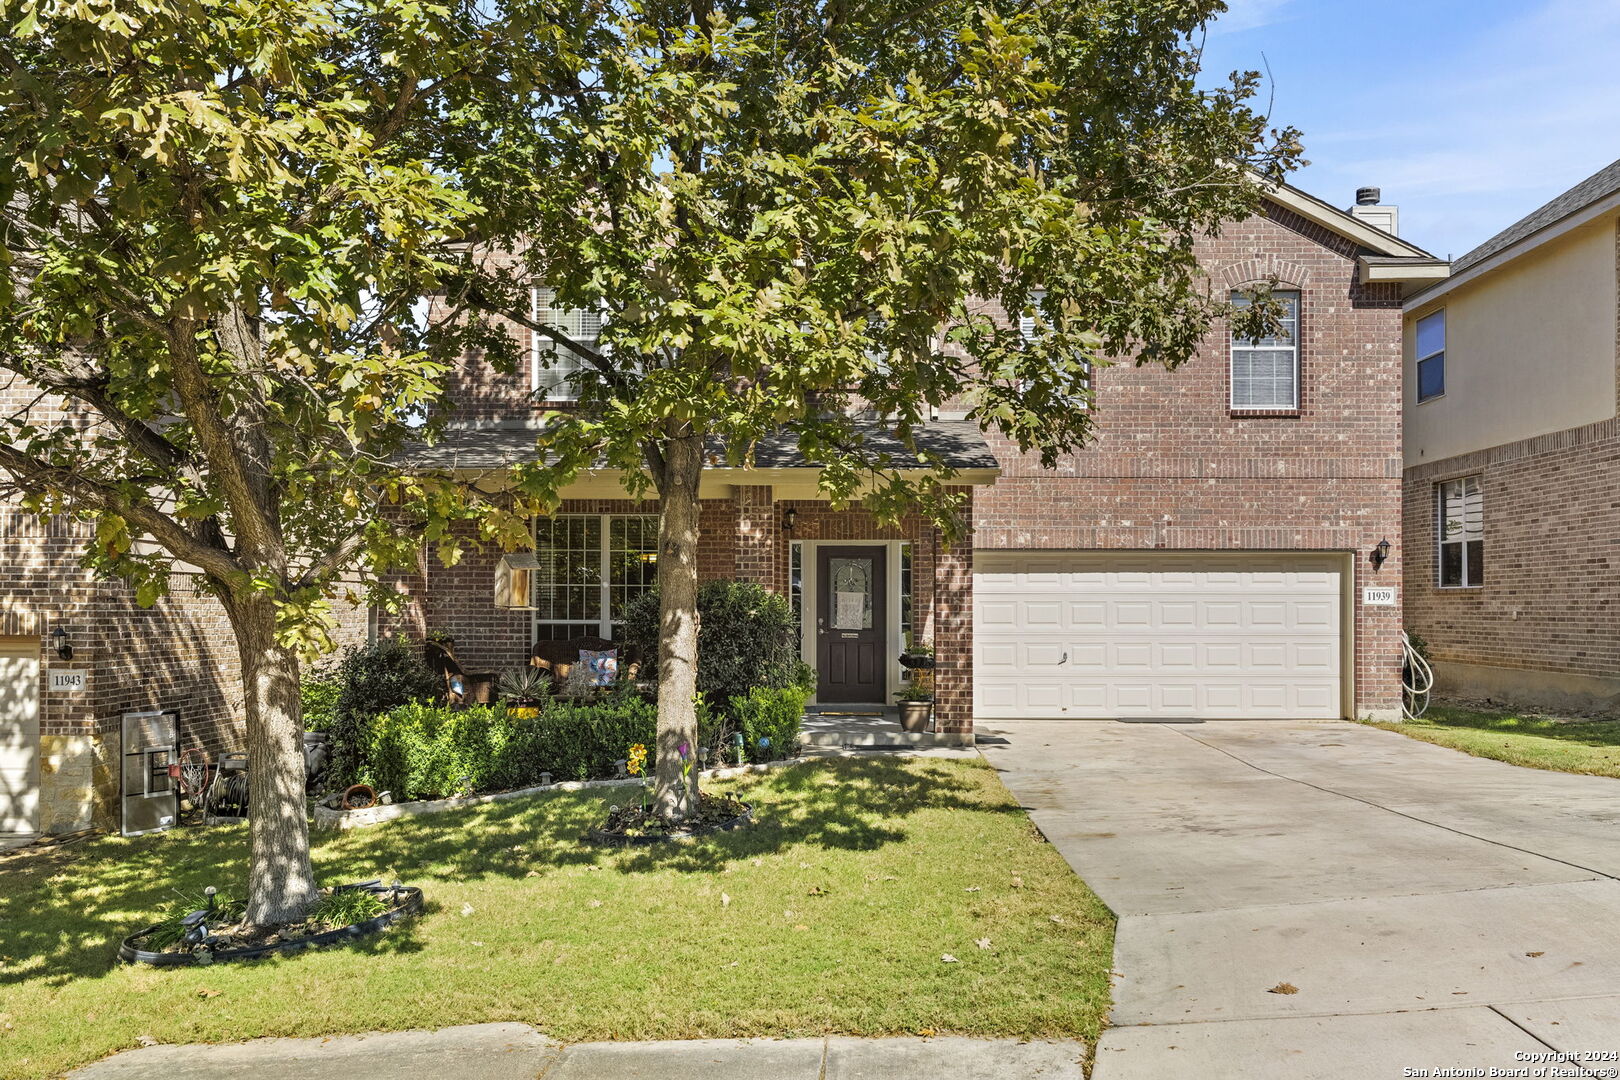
915	705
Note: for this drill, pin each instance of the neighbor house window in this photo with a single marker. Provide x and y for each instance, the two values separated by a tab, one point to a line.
552	364
1265	370
1431	356
590	567
1462	533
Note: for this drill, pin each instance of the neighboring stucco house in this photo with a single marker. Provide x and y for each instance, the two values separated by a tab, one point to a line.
1513	459
1205	557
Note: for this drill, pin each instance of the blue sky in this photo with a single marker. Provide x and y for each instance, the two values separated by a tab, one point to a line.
1468	113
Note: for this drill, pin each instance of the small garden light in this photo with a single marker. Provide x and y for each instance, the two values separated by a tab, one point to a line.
737	743
1380	552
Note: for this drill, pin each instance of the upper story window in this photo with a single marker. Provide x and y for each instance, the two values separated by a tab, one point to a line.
1462	533
552	364
1026	330
1265	370
1431	355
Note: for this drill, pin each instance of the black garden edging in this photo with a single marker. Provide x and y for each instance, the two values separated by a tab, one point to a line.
410	904
603	836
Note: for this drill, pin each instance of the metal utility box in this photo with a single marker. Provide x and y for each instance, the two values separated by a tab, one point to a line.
151	764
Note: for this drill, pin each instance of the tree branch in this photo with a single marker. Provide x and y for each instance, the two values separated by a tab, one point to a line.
39	477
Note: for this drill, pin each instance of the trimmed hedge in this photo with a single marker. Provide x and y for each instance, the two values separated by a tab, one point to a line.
376	677
421	751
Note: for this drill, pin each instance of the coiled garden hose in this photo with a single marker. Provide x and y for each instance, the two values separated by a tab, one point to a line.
1417	679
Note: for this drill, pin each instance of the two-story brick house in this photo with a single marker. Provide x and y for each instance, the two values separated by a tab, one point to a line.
1205	557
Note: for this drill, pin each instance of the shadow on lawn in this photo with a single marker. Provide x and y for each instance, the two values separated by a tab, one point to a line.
851	804
62	913
1579	731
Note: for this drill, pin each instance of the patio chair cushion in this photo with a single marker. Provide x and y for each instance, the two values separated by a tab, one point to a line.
603	665
559	657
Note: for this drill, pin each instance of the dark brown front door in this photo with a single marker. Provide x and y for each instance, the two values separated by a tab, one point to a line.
851	634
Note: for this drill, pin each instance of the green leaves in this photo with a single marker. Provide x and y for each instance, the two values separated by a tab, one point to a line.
225	217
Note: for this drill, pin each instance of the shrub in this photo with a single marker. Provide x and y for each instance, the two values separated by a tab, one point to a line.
376	678
746	639
420	751
319	689
770	720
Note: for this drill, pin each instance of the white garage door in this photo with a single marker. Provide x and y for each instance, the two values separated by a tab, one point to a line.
19	735
1096	636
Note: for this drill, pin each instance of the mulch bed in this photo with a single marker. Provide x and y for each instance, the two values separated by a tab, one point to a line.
244	942
633	825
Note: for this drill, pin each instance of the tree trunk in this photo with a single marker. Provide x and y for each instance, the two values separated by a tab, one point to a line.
281	881
675	790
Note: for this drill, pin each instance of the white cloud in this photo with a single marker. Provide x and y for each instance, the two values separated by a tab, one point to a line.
1249	15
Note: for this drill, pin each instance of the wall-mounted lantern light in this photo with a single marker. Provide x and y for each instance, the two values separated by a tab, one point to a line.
790	517
59	639
1380	552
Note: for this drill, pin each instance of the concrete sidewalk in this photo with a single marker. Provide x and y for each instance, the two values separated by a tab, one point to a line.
1327	901
518	1052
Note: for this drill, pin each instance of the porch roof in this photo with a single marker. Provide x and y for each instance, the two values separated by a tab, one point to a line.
958	443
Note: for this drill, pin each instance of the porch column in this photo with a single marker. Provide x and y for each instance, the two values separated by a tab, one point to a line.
759	535
953	637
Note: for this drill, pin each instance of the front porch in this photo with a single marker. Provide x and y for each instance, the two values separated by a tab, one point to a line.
874	727
862	592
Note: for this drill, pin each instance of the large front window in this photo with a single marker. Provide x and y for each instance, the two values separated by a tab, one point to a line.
590	567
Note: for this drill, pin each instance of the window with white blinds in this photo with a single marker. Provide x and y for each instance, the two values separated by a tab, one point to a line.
1462	533
1265	370
553	364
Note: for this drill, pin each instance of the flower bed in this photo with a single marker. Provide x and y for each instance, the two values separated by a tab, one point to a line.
636	824
234	940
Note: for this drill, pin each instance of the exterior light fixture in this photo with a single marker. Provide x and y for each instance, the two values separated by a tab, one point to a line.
1380	552
59	639
790	516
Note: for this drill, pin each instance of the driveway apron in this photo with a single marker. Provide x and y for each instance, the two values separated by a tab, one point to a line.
1327	900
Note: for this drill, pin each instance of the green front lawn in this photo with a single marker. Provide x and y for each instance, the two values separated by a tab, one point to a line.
829	916
1520	738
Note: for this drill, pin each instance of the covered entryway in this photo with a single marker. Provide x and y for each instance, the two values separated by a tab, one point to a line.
19	737
1100	635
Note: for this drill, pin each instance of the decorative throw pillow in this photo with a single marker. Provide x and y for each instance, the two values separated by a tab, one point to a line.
603	666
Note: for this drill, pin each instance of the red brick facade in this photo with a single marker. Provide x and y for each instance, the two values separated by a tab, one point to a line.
1174	468
743	538
1544	628
178	654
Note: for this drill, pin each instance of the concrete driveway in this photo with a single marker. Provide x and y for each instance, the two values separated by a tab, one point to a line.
1321	900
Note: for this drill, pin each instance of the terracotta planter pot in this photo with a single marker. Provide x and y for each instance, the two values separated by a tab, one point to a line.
914	715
